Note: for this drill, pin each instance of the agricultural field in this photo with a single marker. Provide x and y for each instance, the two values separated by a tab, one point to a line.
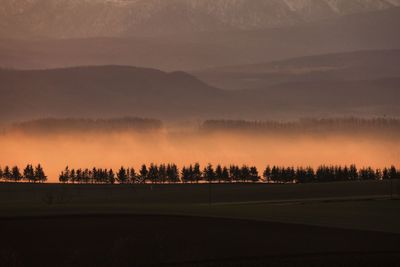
349	223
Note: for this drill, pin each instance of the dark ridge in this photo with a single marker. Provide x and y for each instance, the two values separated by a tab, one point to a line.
308	124
68	125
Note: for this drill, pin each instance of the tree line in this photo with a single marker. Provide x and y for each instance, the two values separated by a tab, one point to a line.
324	173
307	125
163	173
225	174
29	174
194	173
62	126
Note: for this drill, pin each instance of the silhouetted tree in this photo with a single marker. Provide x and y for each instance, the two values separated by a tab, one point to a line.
111	176
172	173
275	174
79	176
72	176
64	176
301	175
225	174
153	173
39	174
254	177
367	174
162	173
267	173
7	173
245	173
209	173
197	174
122	176
353	173
16	174
385	174
29	173
132	176
234	173
393	174
86	177
310	175
143	174
218	173
186	174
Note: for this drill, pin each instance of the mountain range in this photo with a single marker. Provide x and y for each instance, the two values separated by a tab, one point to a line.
345	67
125	18
363	31
115	91
199	59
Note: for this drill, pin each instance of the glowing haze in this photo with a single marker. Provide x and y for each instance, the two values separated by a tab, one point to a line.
186	147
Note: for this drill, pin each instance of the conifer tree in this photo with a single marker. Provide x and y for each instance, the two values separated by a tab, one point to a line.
218	173
16	174
143	174
232	173
353	173
254	177
39	174
87	176
310	175
79	176
122	176
162	173
197	172
393	173
64	176
153	173
225	174
185	174
72	176
172	173
209	173
111	176
132	176
245	173
95	175
301	175
7	173
267	173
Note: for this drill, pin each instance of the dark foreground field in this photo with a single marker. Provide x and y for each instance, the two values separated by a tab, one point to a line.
187	241
333	224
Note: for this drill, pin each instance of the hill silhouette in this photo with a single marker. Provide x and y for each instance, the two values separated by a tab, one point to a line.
105	91
119	91
326	68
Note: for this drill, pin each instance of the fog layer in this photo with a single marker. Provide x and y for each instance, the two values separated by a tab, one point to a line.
56	151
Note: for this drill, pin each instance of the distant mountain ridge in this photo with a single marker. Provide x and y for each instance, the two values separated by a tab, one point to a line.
326	68
101	92
119	91
121	18
364	31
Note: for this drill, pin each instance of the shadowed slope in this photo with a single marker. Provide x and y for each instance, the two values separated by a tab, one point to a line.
103	92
